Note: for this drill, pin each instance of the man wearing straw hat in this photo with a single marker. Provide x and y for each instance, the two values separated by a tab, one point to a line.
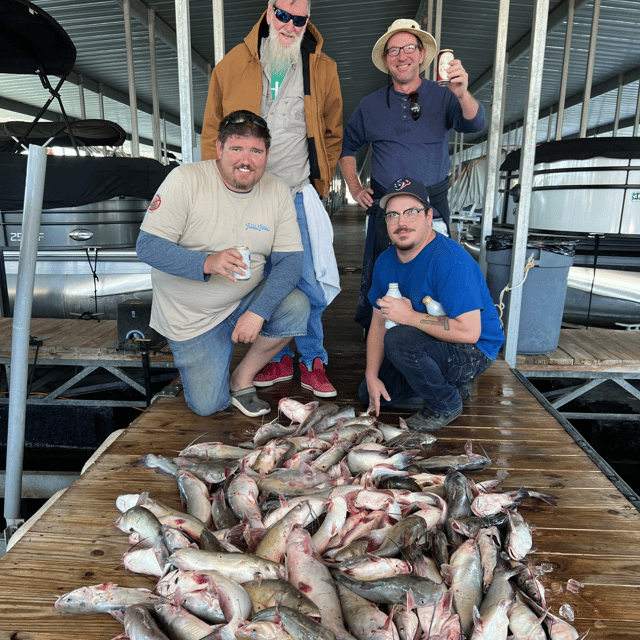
407	124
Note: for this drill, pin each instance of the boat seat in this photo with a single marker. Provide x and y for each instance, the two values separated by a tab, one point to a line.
86	132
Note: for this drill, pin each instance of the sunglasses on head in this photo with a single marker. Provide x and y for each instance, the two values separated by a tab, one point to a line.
239	118
285	16
414	107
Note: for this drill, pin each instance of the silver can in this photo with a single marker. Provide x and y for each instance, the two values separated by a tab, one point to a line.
442	73
246	258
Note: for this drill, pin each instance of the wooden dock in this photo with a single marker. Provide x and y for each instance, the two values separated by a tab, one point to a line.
592	535
592	350
73	350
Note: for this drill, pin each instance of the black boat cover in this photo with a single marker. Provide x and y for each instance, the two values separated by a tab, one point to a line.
579	149
71	181
31	40
87	132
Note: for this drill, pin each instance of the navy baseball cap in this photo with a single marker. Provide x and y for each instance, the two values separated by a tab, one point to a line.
406	186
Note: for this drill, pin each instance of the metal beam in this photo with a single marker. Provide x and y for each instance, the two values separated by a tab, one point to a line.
633	75
28	110
520	48
165	33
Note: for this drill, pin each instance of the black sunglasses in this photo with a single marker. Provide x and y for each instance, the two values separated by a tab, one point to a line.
285	16
240	117
414	106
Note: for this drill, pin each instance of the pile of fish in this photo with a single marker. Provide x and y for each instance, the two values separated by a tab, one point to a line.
332	527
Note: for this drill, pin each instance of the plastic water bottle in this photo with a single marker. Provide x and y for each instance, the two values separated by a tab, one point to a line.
394	292
434	308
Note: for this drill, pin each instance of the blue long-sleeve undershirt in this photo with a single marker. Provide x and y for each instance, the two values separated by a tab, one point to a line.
167	256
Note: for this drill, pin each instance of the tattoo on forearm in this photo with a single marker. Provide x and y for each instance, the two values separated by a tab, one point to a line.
441	320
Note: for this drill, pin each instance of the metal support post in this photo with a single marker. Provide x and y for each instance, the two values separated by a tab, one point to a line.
83	108
183	36
588	80
133	102
218	30
571	7
155	117
437	29
495	129
616	119
530	128
636	120
34	192
101	111
164	140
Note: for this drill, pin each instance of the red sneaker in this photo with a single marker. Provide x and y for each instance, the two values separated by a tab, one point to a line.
274	372
316	380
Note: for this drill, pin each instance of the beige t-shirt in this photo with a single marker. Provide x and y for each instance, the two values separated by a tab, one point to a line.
195	209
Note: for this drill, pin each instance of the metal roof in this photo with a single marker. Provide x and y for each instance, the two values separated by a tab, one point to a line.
350	29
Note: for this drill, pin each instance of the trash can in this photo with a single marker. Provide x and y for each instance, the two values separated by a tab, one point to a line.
544	290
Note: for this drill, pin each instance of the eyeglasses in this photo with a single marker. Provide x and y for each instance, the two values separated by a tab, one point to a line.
393	217
241	116
392	52
285	16
414	107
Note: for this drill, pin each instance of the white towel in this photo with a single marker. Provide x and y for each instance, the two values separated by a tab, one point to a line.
321	240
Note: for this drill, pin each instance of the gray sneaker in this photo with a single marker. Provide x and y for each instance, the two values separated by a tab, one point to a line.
248	402
427	420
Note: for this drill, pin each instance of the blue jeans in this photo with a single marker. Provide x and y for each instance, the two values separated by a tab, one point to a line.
310	346
416	364
203	361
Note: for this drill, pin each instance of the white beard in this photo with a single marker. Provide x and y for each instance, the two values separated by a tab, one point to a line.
276	55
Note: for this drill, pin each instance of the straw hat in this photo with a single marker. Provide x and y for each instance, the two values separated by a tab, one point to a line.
410	26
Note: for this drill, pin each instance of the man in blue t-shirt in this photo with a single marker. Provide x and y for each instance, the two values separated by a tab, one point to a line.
431	356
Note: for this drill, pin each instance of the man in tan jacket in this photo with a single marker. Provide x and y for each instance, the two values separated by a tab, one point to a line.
280	72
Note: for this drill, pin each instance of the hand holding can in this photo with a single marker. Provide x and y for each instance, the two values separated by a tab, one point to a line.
243	250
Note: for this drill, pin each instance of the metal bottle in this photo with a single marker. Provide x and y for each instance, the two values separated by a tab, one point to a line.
434	308
393	292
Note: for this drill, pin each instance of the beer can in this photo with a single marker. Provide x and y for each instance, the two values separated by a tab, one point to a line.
442	74
246	258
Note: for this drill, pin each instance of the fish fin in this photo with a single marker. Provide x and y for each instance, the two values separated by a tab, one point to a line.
448	572
119	616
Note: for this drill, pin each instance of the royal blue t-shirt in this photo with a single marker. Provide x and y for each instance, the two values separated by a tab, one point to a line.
447	273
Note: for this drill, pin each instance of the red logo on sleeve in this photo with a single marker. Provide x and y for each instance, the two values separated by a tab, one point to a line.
155	203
